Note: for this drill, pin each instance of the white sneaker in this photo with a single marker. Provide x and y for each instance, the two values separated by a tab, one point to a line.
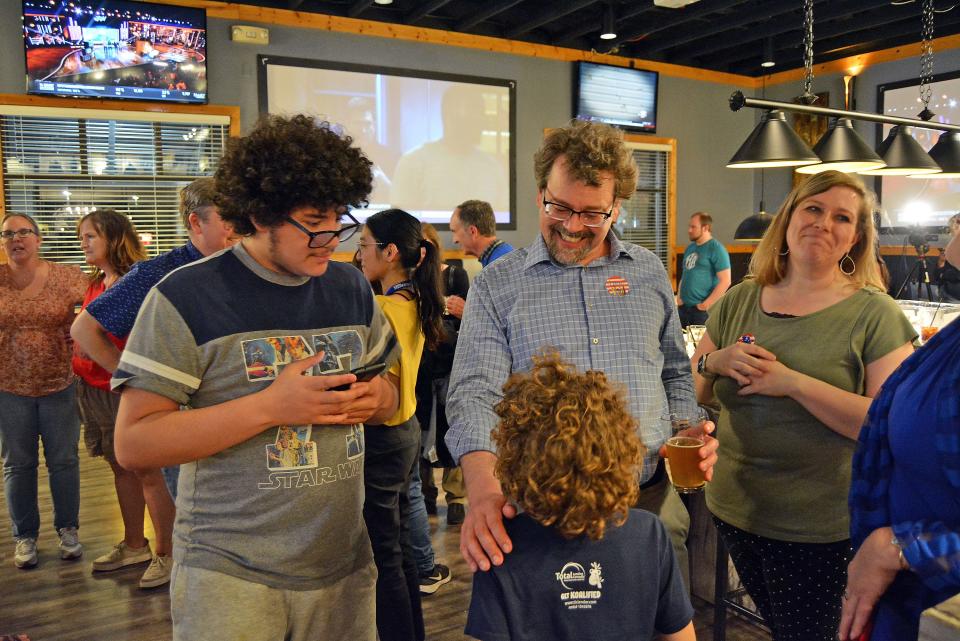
158	573
121	556
26	554
70	547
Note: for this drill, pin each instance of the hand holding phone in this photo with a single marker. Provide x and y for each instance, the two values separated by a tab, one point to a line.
363	374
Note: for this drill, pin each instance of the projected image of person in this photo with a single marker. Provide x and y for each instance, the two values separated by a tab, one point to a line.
361	125
437	174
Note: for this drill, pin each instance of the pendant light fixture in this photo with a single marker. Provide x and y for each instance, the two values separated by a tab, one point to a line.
842	149
773	143
608	29
903	155
946	153
752	228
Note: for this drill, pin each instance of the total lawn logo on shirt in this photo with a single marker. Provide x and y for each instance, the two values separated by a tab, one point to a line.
581	591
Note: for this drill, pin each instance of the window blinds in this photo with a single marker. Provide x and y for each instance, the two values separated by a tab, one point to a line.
59	169
644	218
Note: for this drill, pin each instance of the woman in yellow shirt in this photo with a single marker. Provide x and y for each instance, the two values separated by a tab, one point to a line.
394	254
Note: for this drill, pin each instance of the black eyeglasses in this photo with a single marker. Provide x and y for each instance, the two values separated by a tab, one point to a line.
562	212
323	238
19	233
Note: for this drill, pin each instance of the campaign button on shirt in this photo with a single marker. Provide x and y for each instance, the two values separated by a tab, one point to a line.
617	286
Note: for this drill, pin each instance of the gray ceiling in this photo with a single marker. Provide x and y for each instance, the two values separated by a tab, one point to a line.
721	35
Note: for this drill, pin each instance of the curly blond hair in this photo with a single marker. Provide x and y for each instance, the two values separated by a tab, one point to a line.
568	451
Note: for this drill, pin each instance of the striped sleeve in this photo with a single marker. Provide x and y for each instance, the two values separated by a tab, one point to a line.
161	355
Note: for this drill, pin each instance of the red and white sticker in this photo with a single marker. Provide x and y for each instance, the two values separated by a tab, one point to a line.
617	286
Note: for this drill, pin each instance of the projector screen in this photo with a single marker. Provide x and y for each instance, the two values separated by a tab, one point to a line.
911	202
436	140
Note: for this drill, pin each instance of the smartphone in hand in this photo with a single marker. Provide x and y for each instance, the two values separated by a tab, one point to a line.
365	373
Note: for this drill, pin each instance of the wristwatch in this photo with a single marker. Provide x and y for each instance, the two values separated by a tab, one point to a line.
702	366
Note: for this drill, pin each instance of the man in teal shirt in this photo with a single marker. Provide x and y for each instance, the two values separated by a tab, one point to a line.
706	271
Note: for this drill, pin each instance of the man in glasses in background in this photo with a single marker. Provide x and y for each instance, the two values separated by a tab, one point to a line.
604	304
259	535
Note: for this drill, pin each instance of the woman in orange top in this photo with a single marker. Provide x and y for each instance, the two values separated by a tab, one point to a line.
37	399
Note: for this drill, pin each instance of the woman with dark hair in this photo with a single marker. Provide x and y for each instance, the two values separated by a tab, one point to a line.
37	396
394	254
110	244
794	354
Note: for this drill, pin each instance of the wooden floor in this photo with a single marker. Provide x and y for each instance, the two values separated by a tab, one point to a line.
64	601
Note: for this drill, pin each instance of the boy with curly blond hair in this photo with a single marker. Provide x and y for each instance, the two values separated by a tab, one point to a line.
584	564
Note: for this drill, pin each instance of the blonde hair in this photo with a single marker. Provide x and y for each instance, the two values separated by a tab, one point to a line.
769	263
567	448
430	233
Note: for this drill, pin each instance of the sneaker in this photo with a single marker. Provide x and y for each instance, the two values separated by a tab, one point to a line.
121	556
26	554
158	573
70	547
456	513
439	575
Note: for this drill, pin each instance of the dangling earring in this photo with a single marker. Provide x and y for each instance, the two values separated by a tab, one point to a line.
785	252
852	262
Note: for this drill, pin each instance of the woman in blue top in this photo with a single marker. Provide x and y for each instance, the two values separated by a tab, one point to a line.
905	494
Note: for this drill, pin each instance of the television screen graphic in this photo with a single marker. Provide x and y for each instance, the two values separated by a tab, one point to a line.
115	49
619	96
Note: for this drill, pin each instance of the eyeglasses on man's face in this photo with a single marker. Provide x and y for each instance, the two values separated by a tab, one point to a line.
323	238
564	213
19	233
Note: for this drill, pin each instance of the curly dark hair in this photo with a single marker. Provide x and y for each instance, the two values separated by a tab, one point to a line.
286	163
568	452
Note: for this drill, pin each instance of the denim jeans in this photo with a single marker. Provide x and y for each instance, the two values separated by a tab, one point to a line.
171	476
690	315
419	526
389	460
24	422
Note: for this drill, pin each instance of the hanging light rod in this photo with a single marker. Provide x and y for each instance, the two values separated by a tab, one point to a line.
738	101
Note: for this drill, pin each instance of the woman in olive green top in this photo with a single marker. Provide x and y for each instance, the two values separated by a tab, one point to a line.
823	336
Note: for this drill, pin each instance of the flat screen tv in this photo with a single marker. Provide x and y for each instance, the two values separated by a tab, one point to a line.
115	49
620	96
435	139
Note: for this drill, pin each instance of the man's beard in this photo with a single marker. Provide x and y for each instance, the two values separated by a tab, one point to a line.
568	256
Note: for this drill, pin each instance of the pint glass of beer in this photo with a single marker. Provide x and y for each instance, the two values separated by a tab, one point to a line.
683	462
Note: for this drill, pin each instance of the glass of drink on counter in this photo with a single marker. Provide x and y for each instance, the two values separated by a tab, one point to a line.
683	460
926	333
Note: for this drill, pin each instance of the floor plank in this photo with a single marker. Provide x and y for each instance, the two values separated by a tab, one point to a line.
64	601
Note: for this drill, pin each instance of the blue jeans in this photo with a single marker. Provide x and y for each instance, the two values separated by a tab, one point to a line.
171	476
419	526
24	421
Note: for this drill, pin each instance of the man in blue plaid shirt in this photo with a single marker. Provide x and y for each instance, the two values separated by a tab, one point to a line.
602	303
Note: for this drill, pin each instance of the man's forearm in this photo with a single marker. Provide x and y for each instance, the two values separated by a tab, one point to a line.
92	338
478	474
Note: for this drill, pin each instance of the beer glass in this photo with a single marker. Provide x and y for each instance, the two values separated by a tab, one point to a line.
683	460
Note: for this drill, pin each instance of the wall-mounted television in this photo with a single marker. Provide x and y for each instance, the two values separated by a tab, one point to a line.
115	49
436	139
620	96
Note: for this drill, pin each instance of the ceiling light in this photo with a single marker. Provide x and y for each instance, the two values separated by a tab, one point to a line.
946	153
768	60
842	149
382	1
773	143
752	228
903	156
608	30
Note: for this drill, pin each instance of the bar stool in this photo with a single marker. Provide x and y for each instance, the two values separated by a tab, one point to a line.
725	598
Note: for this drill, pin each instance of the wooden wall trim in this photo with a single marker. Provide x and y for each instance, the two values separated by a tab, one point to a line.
853	65
323	22
885	250
23	100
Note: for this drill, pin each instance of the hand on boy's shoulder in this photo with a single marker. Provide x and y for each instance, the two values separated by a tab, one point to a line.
483	538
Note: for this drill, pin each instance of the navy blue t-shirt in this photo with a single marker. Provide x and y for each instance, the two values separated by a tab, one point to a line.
625	586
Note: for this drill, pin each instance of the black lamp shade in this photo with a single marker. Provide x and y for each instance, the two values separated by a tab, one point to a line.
773	143
767	60
842	149
903	155
946	153
608	30
752	228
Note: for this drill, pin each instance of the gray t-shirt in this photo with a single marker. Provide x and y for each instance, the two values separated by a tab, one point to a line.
283	508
